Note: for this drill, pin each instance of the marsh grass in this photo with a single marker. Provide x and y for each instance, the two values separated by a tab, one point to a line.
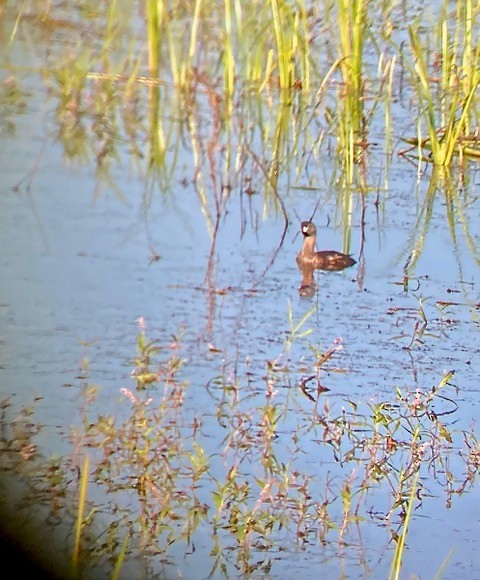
80	515
266	50
352	21
292	48
196	89
272	48
449	112
401	540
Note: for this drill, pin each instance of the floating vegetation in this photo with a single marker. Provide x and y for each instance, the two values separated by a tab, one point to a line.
156	476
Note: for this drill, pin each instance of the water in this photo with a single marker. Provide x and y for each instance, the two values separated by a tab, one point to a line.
77	268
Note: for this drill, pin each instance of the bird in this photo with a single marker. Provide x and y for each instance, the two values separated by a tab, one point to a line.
308	258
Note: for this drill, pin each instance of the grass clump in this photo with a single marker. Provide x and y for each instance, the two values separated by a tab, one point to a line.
448	104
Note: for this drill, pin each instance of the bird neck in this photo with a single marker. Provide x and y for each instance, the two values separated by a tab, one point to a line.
309	245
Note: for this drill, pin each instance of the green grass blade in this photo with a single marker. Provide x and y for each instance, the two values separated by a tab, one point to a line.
80	513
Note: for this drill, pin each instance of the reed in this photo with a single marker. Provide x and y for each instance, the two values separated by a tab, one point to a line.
297	329
228	57
164	32
350	19
386	71
155	15
291	38
448	119
400	545
119	561
352	26
80	515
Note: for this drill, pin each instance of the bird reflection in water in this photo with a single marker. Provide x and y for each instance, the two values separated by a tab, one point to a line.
309	260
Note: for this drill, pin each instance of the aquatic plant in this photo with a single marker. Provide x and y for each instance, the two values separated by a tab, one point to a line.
448	112
157	481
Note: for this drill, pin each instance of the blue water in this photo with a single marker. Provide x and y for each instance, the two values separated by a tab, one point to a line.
76	267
